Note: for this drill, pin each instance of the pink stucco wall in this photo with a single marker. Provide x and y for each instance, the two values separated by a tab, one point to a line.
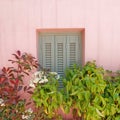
19	20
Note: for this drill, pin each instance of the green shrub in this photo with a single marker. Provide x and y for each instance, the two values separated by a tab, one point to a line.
46	95
92	93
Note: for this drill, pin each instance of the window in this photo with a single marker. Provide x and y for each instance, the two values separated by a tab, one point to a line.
59	50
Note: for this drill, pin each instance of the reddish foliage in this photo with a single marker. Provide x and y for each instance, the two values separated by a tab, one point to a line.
12	78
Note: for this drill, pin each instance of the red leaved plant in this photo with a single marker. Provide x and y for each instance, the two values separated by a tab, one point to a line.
12	78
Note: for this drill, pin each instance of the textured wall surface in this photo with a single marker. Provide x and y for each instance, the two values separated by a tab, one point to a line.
19	20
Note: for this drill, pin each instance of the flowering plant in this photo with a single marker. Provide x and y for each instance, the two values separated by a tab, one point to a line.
28	114
46	94
41	77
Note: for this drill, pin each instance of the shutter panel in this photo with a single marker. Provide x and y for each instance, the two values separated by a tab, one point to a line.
47	54
72	50
60	54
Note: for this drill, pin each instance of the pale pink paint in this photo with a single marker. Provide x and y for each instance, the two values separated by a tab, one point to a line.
19	20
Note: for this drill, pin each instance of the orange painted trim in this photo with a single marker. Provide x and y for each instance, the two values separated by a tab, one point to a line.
83	47
45	30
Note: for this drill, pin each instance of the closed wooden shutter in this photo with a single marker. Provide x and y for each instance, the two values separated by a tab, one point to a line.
47	52
58	51
73	50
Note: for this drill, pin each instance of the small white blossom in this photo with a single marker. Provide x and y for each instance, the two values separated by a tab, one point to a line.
27	114
44	80
40	75
55	74
2	102
29	111
25	117
45	77
32	84
36	80
36	73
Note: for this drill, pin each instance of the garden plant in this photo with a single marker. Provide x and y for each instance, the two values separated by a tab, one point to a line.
12	81
88	93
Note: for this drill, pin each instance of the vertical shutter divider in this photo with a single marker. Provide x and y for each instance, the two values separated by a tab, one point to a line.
55	49
40	51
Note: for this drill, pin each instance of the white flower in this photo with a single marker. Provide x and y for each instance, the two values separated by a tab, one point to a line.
32	84
25	117
2	104
44	77
29	111
44	80
28	114
38	74
41	73
36	80
39	77
1	100
55	74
